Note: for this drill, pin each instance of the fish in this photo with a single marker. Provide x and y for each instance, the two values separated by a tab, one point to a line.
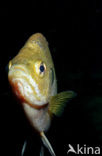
32	77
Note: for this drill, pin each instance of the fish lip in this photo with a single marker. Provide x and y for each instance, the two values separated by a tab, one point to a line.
15	68
18	67
35	106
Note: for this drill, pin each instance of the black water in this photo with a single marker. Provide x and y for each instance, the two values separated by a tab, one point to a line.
74	31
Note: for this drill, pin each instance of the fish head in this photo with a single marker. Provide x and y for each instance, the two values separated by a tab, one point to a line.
31	72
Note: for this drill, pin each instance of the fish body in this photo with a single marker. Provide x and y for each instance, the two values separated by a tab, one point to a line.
33	80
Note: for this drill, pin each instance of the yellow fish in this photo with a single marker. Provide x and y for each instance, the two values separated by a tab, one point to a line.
33	80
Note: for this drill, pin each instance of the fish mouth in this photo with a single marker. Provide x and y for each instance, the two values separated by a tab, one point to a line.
18	90
23	90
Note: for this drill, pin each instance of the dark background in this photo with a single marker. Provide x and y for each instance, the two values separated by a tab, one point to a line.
74	32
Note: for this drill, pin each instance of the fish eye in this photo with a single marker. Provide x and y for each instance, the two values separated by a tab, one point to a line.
10	64
40	68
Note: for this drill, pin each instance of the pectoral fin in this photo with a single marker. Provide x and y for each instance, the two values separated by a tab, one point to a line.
58	102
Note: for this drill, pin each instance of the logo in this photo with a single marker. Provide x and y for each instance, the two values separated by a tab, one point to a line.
83	150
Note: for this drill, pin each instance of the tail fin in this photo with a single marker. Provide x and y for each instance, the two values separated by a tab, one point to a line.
47	144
